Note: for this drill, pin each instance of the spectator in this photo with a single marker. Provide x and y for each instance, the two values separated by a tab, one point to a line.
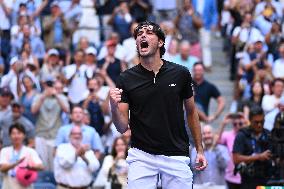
56	30
208	11
164	11
37	45
95	106
110	63
16	157
91	62
5	25
251	152
140	9
11	80
273	40
48	107
121	20
52	65
269	102
26	97
76	78
74	162
278	66
6	97
204	91
188	23
73	14
217	157
17	117
272	117
30	61
227	138
172	51
265	20
183	58
90	136
114	167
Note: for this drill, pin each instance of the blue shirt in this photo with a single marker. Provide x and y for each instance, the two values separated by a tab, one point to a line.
90	137
188	63
58	31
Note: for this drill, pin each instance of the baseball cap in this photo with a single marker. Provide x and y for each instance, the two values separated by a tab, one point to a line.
5	91
53	52
14	60
91	50
54	3
26	176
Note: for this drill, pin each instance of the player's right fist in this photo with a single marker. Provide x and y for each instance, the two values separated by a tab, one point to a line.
115	96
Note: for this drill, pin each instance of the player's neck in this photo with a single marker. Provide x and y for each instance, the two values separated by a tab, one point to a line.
152	63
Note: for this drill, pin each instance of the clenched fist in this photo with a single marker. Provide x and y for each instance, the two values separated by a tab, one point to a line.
115	96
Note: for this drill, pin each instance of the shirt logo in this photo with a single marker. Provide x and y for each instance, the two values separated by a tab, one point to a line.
172	85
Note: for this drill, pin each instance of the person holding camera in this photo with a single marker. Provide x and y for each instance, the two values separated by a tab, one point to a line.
251	151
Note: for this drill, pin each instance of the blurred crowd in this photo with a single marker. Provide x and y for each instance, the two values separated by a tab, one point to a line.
59	58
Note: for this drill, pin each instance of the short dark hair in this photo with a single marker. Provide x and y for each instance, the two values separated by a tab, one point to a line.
76	106
157	30
17	126
255	110
276	80
198	63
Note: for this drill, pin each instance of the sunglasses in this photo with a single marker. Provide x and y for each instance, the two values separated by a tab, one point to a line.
238	123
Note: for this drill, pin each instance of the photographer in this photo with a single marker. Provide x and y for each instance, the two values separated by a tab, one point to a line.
251	151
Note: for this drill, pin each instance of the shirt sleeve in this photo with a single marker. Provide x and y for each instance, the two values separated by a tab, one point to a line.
4	156
35	157
120	85
215	93
93	161
187	90
238	147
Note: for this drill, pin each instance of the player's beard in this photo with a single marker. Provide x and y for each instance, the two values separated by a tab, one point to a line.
150	53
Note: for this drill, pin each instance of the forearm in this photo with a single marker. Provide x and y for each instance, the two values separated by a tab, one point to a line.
6	167
37	105
119	119
62	105
194	125
220	107
238	158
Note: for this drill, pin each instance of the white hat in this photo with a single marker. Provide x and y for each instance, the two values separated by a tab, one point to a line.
54	3
53	52
14	60
91	50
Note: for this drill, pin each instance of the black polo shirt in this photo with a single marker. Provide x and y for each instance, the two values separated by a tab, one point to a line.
156	108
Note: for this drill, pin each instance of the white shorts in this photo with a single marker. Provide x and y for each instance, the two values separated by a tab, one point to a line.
144	169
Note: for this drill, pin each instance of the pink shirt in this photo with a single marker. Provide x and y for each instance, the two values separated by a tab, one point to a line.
227	139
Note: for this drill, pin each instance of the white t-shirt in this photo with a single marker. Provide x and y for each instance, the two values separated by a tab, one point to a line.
269	102
120	52
278	68
78	86
248	35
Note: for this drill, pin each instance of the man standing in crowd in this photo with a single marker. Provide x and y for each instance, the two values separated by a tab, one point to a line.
155	91
74	163
251	151
204	91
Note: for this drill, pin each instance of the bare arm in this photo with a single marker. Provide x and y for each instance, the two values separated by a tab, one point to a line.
220	106
119	110
194	125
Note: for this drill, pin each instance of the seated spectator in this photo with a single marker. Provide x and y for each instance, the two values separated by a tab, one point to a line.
17	117
26	97
227	138
6	96
251	152
110	63
74	162
48	107
269	102
172	51
120	20
90	136
18	157
278	66
114	168
217	157
183	58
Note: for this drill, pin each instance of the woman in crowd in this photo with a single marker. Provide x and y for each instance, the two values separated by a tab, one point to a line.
114	168
18	162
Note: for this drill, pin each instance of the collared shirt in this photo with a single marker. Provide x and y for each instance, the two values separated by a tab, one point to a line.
156	107
188	63
218	159
90	136
71	170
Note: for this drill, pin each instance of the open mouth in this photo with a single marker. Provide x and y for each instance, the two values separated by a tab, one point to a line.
144	44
